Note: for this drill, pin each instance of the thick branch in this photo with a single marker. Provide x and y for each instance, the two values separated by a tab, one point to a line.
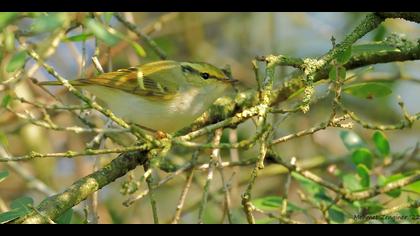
368	24
408	52
56	205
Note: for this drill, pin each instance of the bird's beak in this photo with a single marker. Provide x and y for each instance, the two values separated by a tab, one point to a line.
229	80
228	73
233	81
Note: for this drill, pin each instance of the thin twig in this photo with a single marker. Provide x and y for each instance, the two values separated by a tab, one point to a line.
141	35
150	186
212	165
404	123
246	197
31	180
70	154
226	191
185	190
323	125
47	123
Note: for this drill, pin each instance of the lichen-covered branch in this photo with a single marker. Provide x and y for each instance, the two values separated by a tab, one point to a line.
55	205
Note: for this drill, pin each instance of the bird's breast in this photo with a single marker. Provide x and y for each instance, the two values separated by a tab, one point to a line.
188	101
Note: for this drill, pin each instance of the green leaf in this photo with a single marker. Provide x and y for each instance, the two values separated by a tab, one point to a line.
362	156
65	218
394	193
3	175
351	182
382	181
376	47
19	208
6	18
78	37
10	215
22	203
380	33
371	206
17	61
351	140
363	173
374	208
410	213
336	215
48	23
315	191
268	203
139	49
333	73
6	100
101	32
368	90
414	187
344	56
381	143
273	203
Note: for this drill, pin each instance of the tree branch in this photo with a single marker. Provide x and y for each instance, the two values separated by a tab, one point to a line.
56	205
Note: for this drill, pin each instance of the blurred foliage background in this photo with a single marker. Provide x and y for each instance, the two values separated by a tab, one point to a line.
221	39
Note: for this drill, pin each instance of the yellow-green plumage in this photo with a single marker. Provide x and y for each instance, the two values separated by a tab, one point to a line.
162	95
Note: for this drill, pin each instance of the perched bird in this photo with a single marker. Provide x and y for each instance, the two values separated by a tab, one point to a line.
162	95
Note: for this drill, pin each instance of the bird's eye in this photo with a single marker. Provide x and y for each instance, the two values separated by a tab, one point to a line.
205	75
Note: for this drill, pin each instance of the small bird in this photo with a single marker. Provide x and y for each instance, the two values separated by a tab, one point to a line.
162	96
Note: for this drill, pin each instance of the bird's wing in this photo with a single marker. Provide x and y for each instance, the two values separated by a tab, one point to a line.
154	80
